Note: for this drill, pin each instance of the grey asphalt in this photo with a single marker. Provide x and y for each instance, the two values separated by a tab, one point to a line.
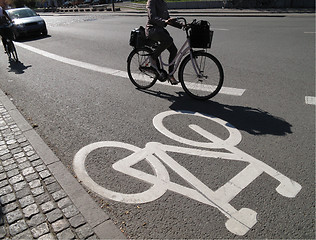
39	197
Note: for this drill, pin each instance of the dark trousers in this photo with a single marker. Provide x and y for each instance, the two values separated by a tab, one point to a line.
165	42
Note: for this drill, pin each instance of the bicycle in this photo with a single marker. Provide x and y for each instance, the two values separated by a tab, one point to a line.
8	44
200	73
11	50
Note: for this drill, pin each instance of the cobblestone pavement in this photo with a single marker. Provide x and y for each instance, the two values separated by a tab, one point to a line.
33	204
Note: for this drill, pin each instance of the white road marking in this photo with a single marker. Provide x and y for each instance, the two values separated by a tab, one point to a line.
110	71
239	222
310	32
310	100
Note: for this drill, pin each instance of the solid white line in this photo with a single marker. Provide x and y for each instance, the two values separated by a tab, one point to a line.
310	100
110	71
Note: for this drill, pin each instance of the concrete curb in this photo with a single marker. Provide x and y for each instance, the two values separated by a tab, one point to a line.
99	221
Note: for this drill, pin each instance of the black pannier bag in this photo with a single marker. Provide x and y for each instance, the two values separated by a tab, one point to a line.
138	37
200	34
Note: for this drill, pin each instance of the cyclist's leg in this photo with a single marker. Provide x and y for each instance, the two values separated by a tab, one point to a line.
173	53
162	36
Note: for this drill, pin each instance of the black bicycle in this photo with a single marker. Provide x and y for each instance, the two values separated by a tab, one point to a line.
11	50
200	73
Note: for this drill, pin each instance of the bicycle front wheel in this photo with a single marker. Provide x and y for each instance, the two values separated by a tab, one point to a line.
11	51
138	68
201	77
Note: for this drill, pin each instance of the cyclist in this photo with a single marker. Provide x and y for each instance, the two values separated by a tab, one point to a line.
4	18
158	19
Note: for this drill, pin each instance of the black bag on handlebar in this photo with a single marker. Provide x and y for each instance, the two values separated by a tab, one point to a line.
138	37
200	34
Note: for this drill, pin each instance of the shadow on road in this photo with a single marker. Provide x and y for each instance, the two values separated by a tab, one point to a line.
18	67
252	120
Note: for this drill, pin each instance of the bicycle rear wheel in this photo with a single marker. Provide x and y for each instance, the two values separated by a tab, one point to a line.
138	68
209	80
11	51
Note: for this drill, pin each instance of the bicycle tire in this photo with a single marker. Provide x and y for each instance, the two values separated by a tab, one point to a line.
11	51
210	80
141	78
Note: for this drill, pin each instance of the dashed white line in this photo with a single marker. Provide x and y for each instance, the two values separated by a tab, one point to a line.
110	71
310	100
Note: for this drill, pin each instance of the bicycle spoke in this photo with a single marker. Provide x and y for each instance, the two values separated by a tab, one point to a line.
203	78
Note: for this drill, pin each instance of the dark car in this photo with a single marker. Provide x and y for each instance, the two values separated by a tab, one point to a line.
26	22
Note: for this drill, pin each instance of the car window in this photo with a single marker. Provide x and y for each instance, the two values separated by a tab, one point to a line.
21	13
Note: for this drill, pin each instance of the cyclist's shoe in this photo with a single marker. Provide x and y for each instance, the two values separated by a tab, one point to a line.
172	80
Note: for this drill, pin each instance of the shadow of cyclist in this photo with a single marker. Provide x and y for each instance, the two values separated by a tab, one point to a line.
252	120
17	67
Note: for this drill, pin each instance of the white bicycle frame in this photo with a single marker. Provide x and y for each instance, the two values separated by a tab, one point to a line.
177	60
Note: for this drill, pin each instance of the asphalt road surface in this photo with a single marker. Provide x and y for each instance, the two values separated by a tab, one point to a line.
162	165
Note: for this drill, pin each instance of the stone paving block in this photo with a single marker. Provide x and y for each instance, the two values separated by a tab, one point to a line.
34	157
48	206
10	167
24	165
49	180
65	202
5	190
17	227
14	216
40	230
35	183
3	176
4	183
8	198
37	191
70	211
27	235
40	168
8	162
21	160
37	163
12	173
66	234
30	210
53	187
3	232
16	179
28	200
19	186
54	215
42	198
36	220
9	207
59	195
44	174
19	155
24	192
48	236
28	171
77	221
84	231
60	225
31	177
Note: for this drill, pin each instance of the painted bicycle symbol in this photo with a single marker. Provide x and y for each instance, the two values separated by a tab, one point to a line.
155	154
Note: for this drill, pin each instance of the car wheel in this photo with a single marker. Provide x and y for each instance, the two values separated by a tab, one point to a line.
44	32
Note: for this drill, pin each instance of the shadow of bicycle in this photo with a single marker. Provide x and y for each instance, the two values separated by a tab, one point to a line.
255	121
17	67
